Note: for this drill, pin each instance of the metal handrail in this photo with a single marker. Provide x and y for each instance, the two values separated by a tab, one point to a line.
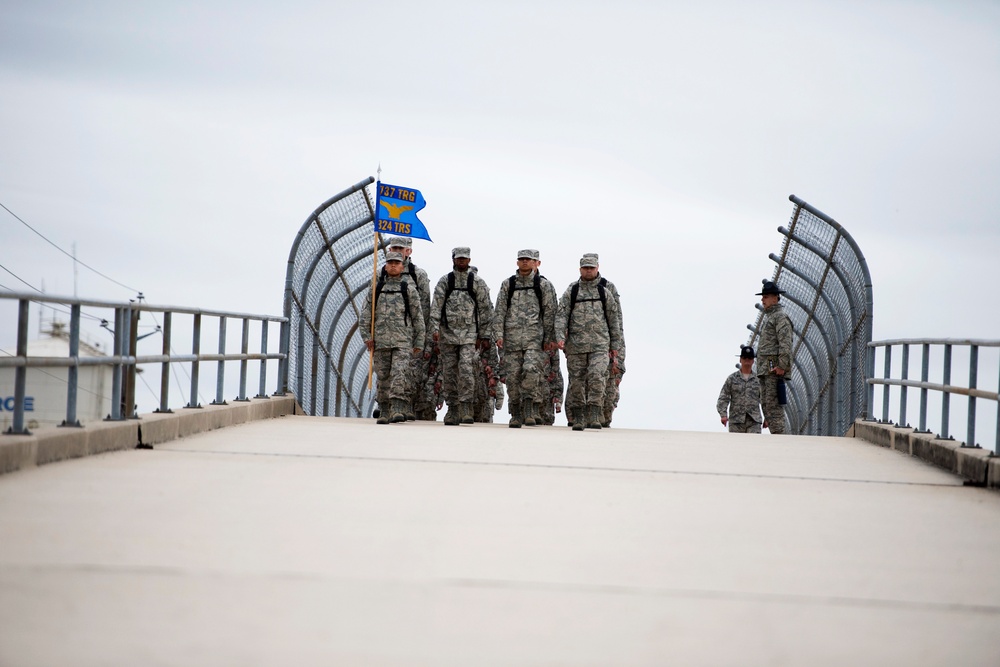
124	360
945	388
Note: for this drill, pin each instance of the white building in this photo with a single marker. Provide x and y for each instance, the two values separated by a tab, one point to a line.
45	390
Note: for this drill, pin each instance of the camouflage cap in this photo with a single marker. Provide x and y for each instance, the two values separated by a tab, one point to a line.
588	260
400	242
591	254
527	254
461	251
394	257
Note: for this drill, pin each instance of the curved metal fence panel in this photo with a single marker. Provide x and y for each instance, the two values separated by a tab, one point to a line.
329	269
829	300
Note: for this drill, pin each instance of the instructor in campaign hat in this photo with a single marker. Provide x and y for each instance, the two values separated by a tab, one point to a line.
774	357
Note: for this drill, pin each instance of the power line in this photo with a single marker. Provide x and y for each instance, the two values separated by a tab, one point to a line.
16	217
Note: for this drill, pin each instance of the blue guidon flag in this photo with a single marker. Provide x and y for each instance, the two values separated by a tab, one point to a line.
396	211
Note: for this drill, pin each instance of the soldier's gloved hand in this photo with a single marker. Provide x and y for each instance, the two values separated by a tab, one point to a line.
370	344
725	421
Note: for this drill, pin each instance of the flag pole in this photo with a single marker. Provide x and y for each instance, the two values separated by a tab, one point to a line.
375	235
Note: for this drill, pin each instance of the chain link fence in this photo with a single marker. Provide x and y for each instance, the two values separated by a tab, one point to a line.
829	300
329	269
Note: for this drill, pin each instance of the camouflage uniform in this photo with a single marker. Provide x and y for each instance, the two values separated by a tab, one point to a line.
459	322
616	366
591	329
397	333
774	350
553	392
525	328
741	398
420	402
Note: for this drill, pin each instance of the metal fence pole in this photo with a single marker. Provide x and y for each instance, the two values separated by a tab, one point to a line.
870	392
905	375
973	378
220	373
262	390
885	389
73	379
165	366
21	372
924	375
116	368
244	348
195	351
132	345
946	396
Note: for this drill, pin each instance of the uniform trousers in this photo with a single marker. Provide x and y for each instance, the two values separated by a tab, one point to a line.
392	368
748	425
588	376
459	366
523	370
774	412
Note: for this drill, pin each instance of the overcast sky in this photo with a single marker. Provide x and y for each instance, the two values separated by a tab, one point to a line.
181	145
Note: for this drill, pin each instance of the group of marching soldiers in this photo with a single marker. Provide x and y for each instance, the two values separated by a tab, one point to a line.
455	346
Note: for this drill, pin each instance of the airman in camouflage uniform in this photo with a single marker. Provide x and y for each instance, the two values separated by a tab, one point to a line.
616	365
739	401
588	329
461	316
524	326
399	336
774	357
420	404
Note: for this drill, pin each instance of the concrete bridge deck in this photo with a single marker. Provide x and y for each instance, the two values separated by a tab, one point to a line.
319	541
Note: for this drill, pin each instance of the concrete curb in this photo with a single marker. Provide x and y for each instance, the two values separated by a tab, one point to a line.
48	445
976	465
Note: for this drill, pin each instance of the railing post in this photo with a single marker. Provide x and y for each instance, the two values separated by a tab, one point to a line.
21	372
130	368
905	375
946	396
924	375
116	368
244	347
165	366
973	378
885	388
996	440
870	391
283	346
262	390
196	352
73	379
220	373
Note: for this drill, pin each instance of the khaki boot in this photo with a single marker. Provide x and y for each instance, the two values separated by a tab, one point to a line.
411	415
594	416
577	421
528	410
515	417
451	417
398	411
466	413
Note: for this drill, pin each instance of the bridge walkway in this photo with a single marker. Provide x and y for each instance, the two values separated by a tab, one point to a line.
318	541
